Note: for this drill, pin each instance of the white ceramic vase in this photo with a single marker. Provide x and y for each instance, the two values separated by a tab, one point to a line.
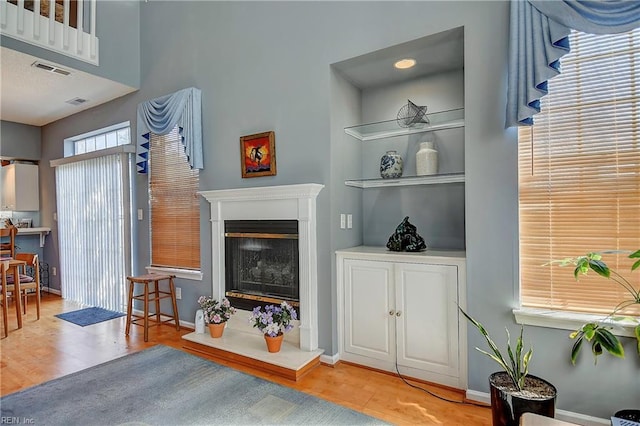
426	160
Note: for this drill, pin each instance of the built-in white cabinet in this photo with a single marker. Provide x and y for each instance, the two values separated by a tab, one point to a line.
402	308
20	189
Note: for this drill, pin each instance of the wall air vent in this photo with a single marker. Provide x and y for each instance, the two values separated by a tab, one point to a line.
50	68
76	101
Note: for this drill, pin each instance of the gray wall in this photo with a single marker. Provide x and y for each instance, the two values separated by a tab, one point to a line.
23	142
266	66
346	162
19	141
118	32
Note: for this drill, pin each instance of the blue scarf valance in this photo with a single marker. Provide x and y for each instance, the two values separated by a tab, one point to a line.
183	109
539	38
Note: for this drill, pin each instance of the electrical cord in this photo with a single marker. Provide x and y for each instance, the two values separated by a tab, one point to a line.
436	395
427	391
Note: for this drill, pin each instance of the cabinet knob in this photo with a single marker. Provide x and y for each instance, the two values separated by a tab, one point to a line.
398	313
392	312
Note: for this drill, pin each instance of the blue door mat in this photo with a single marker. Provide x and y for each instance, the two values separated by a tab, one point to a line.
89	316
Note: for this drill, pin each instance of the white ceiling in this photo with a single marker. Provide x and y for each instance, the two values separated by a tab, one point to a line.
30	95
434	54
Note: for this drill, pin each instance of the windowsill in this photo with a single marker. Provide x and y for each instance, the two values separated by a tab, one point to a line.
567	320
186	274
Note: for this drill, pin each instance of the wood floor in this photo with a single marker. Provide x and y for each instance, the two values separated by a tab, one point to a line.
50	348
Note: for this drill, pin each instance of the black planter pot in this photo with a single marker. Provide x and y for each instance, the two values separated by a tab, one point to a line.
507	405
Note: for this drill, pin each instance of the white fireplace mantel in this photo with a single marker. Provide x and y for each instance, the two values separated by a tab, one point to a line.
286	202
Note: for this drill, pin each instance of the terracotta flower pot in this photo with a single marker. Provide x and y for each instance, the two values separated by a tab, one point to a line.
274	343
507	405
216	330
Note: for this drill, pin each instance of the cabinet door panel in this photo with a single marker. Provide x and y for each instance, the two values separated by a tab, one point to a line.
8	188
427	328
20	187
368	299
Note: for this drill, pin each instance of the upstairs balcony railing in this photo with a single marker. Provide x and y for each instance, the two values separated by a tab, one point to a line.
63	26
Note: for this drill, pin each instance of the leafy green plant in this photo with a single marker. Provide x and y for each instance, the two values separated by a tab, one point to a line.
597	334
517	366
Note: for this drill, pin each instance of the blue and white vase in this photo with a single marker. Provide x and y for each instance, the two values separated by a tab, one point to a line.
391	165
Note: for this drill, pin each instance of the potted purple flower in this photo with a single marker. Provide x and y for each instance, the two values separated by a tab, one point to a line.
216	314
273	321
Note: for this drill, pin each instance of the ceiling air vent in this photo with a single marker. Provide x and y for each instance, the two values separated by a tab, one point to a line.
76	101
50	68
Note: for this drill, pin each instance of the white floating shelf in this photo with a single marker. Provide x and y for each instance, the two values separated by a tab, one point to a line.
406	181
386	129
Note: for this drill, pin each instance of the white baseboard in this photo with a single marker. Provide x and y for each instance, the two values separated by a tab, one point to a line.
566	416
483	397
581	419
52	291
329	359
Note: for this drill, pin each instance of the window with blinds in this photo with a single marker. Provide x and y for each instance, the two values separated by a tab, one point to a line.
579	176
174	204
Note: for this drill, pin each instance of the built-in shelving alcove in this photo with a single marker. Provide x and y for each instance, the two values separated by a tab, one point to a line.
367	94
375	288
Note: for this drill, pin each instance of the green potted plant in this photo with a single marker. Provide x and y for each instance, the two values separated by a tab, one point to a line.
597	333
514	391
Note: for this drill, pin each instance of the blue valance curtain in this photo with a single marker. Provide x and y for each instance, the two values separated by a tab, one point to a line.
539	38
161	115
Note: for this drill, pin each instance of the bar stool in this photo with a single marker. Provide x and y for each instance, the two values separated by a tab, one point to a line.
148	295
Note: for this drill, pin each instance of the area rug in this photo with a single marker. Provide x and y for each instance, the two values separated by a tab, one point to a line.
165	386
88	316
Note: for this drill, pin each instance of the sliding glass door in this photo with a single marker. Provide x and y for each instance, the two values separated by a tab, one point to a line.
94	227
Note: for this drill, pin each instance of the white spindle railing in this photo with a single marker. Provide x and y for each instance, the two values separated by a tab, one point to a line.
36	27
47	32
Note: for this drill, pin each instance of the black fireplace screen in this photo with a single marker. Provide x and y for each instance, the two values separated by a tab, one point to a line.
261	262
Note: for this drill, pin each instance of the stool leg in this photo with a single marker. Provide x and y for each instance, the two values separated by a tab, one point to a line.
146	311
129	308
157	292
176	317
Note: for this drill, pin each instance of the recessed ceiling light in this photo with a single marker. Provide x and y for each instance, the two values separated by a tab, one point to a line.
403	64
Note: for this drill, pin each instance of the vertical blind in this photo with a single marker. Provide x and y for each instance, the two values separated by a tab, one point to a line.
92	203
579	175
175	204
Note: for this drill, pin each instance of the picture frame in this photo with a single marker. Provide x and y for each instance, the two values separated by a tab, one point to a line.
258	155
23	223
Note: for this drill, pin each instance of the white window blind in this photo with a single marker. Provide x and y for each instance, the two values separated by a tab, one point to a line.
94	230
579	175
175	204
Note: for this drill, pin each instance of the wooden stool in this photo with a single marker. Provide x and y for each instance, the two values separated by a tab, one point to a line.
151	295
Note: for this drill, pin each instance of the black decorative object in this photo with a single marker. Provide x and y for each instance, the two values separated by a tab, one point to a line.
411	115
406	238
